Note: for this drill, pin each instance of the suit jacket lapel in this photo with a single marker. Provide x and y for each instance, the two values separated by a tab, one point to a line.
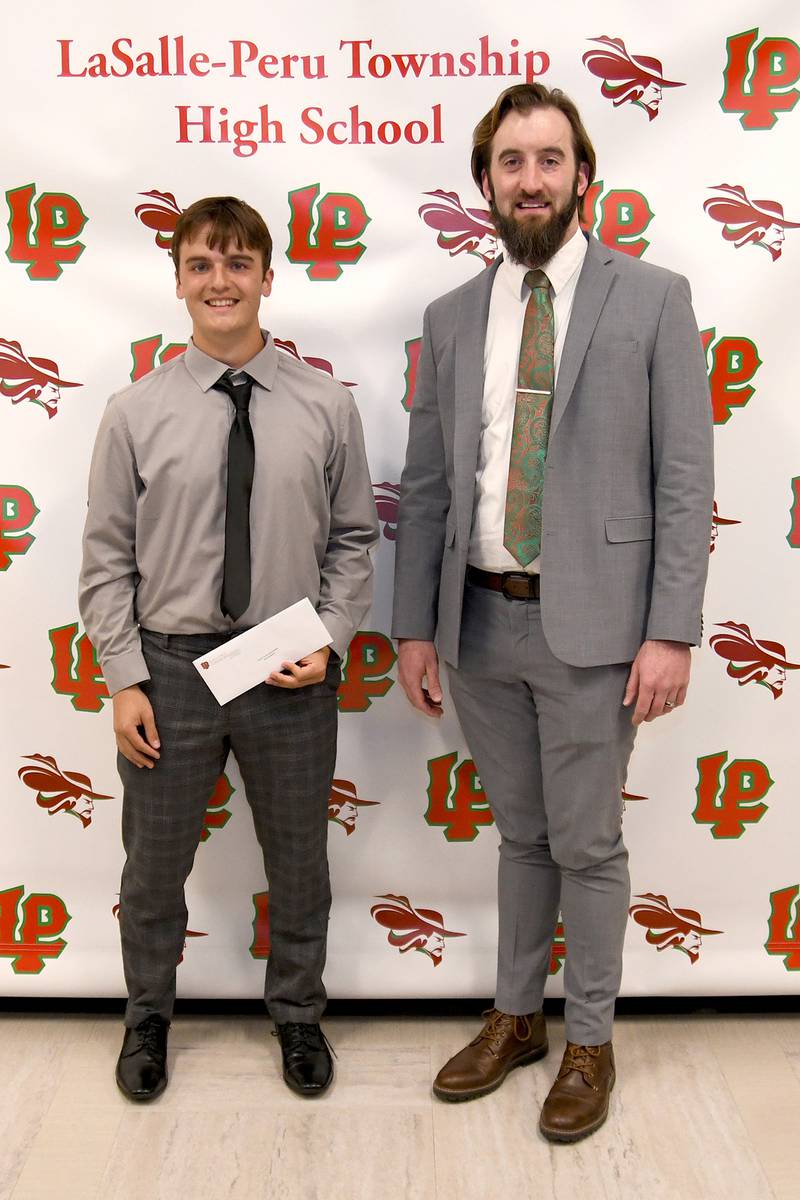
594	282
473	316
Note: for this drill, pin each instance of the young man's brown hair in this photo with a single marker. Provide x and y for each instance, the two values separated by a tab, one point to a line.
522	97
231	221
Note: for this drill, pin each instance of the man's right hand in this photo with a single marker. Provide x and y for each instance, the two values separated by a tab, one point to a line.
418	660
135	727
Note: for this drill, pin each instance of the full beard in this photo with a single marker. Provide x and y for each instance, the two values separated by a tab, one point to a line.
533	241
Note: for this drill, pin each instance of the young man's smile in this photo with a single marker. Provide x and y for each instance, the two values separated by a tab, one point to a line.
223	289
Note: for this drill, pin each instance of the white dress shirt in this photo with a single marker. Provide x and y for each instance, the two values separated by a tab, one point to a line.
500	364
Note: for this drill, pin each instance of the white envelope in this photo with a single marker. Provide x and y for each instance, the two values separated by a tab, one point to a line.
247	660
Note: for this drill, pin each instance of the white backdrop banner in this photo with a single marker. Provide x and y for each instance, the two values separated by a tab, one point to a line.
348	126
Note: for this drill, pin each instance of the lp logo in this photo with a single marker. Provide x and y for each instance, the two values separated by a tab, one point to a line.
793	536
46	235
29	931
76	671
618	218
760	86
784	927
738	803
17	513
456	799
147	354
217	811
325	233
261	945
734	362
365	672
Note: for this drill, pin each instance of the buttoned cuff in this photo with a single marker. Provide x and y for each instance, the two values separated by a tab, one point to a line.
124	670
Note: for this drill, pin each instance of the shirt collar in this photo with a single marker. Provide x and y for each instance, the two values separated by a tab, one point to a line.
206	371
559	269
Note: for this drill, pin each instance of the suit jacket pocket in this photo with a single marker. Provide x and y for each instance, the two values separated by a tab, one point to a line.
629	529
604	348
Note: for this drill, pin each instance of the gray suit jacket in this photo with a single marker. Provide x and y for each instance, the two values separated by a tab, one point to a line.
628	488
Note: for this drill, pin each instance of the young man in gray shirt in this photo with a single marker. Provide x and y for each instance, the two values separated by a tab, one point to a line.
225	486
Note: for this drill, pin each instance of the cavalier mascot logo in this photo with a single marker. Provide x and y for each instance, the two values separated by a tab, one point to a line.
460	230
189	933
412	928
148	353
670	928
344	803
60	791
751	660
34	379
628	78
749	222
716	521
160	213
387	500
321	364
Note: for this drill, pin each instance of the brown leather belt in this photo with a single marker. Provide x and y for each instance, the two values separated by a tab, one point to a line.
514	585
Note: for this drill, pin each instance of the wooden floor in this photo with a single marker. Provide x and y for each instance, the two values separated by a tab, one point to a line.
705	1107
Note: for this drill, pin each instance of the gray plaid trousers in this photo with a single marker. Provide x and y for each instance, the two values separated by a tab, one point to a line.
285	744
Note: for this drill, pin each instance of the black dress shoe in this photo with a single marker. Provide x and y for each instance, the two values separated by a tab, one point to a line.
307	1064
142	1063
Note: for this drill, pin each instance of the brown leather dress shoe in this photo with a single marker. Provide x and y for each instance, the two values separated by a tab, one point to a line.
504	1042
578	1100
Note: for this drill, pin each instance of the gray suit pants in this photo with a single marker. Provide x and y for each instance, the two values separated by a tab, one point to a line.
551	744
285	745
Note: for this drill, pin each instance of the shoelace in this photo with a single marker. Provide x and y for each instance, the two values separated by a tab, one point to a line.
583	1059
296	1037
150	1033
496	1027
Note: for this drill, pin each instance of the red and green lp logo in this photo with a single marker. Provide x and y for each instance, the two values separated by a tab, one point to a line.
30	929
456	800
325	232
44	230
759	78
793	536
618	217
365	672
731	363
76	671
783	938
17	514
730	797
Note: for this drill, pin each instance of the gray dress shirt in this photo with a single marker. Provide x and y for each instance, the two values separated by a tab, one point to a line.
155	531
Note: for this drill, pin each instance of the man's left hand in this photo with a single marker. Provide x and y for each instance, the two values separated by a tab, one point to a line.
310	669
658	680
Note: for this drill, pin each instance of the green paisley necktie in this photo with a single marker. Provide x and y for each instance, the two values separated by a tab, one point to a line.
522	532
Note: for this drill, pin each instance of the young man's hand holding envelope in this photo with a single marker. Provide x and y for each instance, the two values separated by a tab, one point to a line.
260	654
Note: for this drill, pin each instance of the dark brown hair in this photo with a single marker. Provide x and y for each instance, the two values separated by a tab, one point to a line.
230	221
523	97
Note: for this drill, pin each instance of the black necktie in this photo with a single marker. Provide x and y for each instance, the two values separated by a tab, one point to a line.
241	465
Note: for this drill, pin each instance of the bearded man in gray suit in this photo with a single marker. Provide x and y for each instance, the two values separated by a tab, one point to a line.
553	539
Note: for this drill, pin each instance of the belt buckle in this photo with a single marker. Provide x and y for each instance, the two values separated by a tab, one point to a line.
514	575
